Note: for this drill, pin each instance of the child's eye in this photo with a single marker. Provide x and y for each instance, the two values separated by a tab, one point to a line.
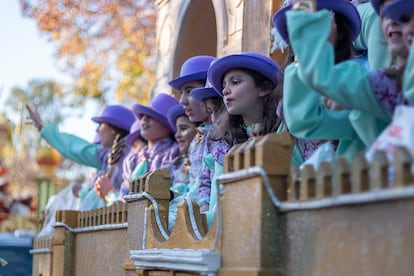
406	18
235	81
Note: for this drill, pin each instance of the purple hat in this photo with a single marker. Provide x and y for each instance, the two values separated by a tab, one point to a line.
194	68
397	9
343	7
204	92
116	115
157	108
248	60
174	112
376	5
134	133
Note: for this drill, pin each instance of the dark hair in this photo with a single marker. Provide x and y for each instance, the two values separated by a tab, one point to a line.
343	46
230	127
122	132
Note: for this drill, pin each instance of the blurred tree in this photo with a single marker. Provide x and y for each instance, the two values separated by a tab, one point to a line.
105	45
19	155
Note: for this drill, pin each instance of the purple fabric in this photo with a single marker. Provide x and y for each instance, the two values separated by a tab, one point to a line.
159	156
308	146
385	90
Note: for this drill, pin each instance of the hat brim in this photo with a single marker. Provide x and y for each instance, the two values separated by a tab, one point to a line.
201	94
111	121
175	112
140	110
375	4
344	8
397	9
178	82
130	138
221	66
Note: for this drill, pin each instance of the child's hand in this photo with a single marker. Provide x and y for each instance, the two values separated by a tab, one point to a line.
102	186
329	104
35	116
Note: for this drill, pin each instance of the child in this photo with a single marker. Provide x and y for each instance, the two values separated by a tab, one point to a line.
251	85
185	132
114	124
193	75
136	143
161	146
374	93
304	112
403	12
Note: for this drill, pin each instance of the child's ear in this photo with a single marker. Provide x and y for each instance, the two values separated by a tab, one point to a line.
264	92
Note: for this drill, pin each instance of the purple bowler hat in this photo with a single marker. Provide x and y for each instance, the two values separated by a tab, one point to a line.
174	112
396	10
205	92
116	115
343	7
134	133
376	5
157	108
193	69
248	60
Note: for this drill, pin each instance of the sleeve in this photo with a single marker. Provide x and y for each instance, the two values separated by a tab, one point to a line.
72	147
371	38
308	34
305	115
408	84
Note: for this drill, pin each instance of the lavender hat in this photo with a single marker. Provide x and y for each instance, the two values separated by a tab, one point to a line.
204	92
134	133
397	9
157	108
194	68
343	7
116	115
248	60
174	112
376	5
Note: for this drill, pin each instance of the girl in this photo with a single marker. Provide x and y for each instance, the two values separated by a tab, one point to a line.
251	85
374	94
186	130
403	11
136	143
161	146
305	115
193	75
114	124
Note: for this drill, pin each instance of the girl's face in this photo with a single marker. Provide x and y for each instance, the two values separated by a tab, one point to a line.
241	95
408	29
393	34
153	130
107	134
193	108
185	133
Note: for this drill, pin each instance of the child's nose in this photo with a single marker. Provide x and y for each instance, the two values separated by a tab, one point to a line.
226	91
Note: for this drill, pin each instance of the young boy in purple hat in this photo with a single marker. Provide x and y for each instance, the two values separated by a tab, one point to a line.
161	146
403	12
114	124
193	74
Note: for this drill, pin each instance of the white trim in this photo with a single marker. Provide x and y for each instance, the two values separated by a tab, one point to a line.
201	261
93	228
373	196
40	250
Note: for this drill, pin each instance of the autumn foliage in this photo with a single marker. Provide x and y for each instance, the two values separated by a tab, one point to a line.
106	45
